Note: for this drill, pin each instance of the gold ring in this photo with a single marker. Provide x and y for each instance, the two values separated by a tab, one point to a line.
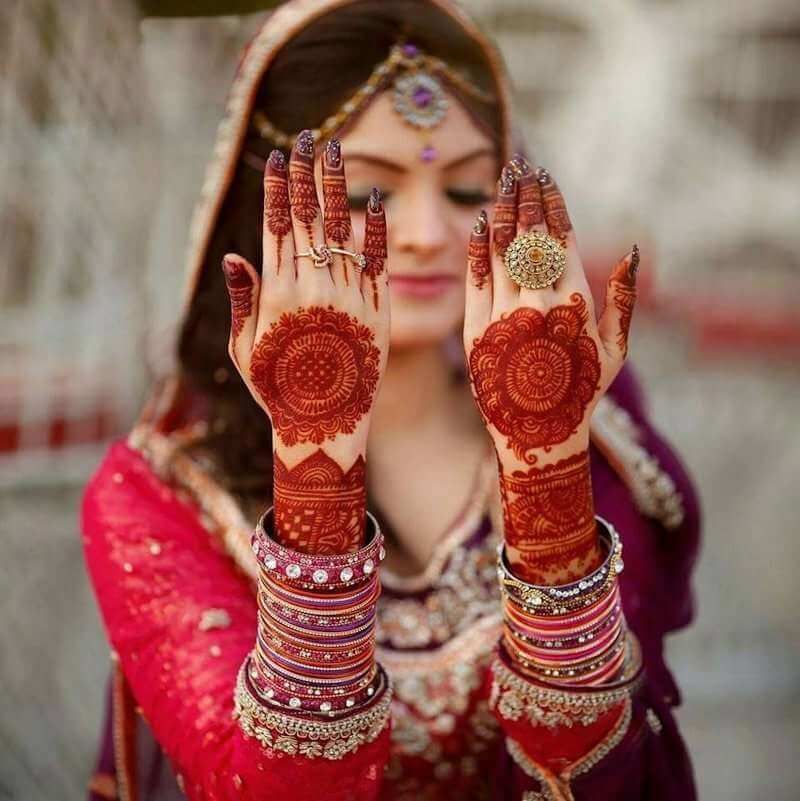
320	255
359	259
535	260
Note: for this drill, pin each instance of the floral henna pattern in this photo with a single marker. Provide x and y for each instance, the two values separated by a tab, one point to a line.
319	508
548	518
504	225
334	190
530	211
316	370
303	190
624	286
240	291
534	375
478	257
375	242
555	209
276	201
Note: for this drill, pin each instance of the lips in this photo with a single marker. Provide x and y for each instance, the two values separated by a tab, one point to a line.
422	286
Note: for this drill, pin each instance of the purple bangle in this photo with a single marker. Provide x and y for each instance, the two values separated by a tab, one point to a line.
329	572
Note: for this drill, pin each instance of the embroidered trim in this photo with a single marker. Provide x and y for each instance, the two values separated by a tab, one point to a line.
654	492
312	738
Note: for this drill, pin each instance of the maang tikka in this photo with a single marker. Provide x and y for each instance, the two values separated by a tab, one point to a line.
418	83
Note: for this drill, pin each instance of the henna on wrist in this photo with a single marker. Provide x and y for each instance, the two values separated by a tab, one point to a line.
534	375
316	370
319	507
548	519
478	257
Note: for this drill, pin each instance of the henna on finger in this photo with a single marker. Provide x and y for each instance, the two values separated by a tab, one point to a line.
555	208
534	375
240	292
478	256
504	224
316	370
276	202
624	297
336	214
319	507
548	520
302	188
375	248
530	210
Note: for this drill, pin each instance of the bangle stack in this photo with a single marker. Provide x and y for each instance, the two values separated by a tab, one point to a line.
573	634
315	651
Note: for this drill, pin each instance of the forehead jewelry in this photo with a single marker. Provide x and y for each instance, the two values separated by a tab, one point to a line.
418	83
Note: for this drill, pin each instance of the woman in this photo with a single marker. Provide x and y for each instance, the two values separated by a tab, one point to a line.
270	669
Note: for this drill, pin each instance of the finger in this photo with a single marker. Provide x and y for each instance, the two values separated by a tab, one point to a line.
615	321
374	278
242	282
336	217
504	229
530	211
306	214
478	306
277	241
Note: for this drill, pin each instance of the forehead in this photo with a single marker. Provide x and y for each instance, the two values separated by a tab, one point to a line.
382	130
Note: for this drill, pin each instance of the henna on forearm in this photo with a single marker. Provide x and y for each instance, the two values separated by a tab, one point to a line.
319	507
548	520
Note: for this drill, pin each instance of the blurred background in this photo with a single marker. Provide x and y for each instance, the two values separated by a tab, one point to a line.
674	124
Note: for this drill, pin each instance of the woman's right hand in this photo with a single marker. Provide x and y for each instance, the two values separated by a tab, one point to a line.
311	339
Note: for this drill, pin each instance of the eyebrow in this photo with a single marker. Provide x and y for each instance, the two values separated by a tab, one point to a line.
379	161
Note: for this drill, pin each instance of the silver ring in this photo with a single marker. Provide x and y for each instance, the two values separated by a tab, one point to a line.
321	256
359	259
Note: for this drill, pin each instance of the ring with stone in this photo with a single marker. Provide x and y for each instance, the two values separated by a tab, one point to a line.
320	255
535	260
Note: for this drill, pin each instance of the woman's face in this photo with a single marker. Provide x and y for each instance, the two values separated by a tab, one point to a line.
431	207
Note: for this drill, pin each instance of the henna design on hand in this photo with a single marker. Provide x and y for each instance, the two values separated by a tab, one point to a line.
240	291
316	370
334	190
302	188
319	508
375	248
530	211
504	224
555	209
624	297
535	374
276	205
478	256
548	518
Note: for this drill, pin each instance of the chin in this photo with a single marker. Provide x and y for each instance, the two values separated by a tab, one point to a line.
416	326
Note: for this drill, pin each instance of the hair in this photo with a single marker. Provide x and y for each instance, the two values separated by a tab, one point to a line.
310	78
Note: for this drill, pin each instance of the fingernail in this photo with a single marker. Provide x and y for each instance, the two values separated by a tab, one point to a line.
277	161
520	166
542	176
481	223
508	181
633	267
333	153
375	204
236	275
305	143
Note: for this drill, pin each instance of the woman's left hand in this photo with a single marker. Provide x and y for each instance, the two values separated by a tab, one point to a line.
539	360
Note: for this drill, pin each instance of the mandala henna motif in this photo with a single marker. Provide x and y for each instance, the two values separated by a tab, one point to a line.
303	190
504	224
319	508
375	242
276	201
478	257
548	516
535	374
316	370
240	291
555	209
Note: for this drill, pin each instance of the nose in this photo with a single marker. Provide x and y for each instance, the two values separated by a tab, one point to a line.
418	222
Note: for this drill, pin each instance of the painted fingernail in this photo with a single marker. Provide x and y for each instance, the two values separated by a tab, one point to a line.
508	181
542	176
305	143
236	276
375	203
481	223
277	160
520	166
333	153
633	267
